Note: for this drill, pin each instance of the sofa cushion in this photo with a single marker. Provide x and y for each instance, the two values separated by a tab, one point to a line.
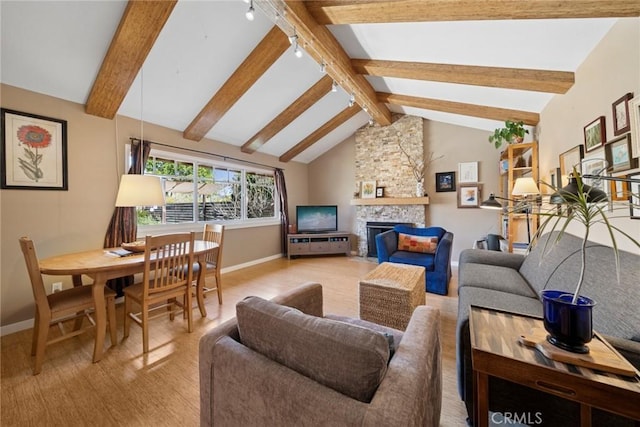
502	279
347	358
421	244
413	258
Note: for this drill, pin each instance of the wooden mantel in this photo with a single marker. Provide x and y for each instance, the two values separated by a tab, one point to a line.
391	201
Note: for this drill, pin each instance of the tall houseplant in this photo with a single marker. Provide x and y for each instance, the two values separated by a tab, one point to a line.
567	317
510	133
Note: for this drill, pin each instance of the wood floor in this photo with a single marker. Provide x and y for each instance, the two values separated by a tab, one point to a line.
127	388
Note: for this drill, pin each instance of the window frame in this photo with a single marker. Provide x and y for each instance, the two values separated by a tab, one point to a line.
197	225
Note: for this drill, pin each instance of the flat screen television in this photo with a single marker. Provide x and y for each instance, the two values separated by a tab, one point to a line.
317	219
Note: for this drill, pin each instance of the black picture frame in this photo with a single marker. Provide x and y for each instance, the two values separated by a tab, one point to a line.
594	134
619	154
379	192
445	181
621	116
33	152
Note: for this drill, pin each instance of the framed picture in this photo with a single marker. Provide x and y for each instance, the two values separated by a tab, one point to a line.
379	191
469	195
595	166
618	153
468	172
368	190
634	197
621	117
445	181
594	134
569	159
635	123
34	152
619	190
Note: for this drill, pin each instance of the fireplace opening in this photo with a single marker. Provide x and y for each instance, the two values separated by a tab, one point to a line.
374	228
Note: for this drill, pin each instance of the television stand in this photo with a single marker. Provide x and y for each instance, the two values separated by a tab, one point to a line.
318	243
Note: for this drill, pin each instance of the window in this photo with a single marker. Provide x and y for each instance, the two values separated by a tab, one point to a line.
198	189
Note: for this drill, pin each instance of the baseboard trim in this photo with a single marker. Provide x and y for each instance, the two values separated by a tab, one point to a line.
16	327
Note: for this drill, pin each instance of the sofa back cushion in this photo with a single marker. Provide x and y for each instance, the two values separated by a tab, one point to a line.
421	244
347	358
420	231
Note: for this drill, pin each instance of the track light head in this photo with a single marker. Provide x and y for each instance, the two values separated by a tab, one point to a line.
297	51
293	39
334	86
250	13
323	67
352	100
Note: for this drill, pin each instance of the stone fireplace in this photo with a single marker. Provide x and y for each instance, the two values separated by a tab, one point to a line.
379	158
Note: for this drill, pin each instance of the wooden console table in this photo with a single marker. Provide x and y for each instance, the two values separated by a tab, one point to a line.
496	352
318	243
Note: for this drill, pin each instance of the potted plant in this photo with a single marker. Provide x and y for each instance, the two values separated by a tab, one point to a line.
512	132
567	316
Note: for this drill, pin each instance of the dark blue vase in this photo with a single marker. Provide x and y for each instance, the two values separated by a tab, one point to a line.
569	325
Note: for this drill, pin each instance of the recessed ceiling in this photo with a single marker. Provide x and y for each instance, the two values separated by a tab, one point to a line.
58	47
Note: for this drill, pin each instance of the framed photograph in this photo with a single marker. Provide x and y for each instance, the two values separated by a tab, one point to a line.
34	152
634	197
468	172
618	153
445	181
368	190
621	117
379	191
594	134
634	106
595	165
569	159
469	195
619	190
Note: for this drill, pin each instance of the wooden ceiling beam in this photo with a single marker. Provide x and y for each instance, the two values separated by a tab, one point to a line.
510	78
138	30
319	133
293	111
484	112
323	47
372	11
270	48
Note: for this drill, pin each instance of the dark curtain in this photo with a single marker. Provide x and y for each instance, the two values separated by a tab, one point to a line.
123	226
284	209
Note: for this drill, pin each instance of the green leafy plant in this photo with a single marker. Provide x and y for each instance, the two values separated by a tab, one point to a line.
582	208
510	133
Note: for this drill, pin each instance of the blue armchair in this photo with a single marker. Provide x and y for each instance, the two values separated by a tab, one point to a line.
437	265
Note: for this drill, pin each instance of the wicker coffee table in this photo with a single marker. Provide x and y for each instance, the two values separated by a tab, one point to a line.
390	293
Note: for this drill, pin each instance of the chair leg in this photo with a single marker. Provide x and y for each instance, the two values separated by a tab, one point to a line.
187	308
127	320
219	286
43	332
145	328
111	316
36	329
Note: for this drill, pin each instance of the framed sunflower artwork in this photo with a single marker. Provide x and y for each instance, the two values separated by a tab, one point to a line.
33	152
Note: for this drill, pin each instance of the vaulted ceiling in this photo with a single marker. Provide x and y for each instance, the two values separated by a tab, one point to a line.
203	68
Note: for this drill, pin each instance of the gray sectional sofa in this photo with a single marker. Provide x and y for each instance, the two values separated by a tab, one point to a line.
513	282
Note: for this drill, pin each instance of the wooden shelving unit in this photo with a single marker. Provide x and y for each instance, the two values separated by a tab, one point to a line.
391	201
514	222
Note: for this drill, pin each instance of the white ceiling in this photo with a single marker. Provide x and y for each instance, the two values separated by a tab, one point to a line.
56	48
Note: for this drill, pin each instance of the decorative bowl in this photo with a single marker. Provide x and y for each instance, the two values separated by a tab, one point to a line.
137	246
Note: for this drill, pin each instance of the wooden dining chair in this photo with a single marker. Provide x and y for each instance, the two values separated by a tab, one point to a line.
164	281
59	307
213	261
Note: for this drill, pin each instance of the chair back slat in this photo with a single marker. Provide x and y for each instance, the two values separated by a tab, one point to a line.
33	267
168	262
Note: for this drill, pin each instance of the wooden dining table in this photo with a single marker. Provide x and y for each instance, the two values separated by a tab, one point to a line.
102	265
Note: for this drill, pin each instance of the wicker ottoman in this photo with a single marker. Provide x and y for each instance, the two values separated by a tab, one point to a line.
390	293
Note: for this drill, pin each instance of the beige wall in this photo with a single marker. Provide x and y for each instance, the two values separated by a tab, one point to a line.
610	71
332	180
75	220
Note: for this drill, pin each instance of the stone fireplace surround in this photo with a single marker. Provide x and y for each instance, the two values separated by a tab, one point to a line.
379	158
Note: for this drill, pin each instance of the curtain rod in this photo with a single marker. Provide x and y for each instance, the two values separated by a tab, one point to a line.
225	158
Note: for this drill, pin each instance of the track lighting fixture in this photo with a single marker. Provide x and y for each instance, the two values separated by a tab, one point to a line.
334	86
323	67
297	51
293	38
371	122
249	13
352	100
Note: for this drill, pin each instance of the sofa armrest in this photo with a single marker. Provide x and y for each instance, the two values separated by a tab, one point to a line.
386	244
501	259
443	253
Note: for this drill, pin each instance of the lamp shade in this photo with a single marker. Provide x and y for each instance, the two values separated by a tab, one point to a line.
570	191
491	203
140	190
525	186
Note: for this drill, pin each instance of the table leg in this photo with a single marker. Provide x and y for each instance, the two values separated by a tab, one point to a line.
77	281
100	315
585	415
481	398
200	283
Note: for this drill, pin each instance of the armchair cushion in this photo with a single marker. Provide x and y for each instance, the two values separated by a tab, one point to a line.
347	358
421	244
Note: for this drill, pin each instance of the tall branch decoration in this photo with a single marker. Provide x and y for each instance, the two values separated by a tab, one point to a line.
419	166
